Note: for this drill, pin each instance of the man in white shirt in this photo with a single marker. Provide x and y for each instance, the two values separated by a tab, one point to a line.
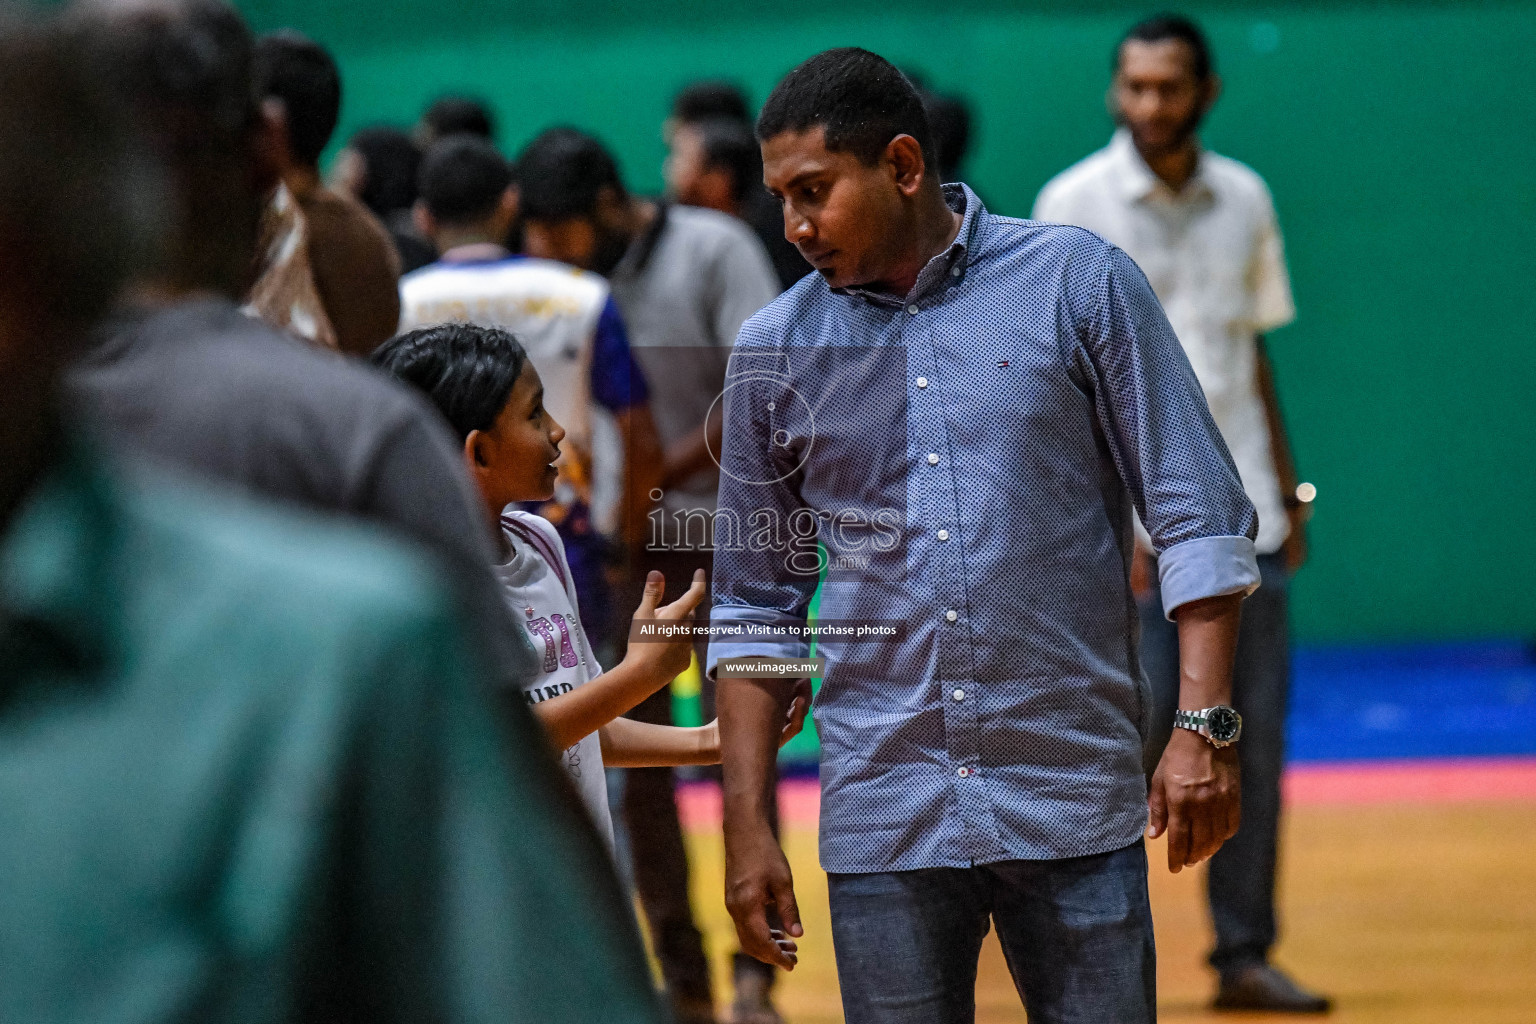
1203	229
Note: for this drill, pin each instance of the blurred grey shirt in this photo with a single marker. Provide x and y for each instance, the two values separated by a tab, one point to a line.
203	386
685	288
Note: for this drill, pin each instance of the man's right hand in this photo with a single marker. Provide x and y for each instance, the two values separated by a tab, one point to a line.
760	894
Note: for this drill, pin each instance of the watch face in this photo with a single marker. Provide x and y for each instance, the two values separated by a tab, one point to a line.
1224	724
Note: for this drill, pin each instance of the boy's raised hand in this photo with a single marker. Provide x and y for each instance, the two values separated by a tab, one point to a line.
664	659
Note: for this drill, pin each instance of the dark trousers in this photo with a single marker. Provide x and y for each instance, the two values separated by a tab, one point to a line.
657	850
1241	879
1077	935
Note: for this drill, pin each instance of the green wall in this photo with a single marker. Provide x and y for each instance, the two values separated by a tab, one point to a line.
1399	140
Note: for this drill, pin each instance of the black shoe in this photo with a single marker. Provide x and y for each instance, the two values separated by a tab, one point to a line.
1262	987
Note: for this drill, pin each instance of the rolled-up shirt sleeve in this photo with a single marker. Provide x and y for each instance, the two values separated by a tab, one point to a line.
755	576
1164	442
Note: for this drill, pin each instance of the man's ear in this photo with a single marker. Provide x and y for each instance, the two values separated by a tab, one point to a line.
612	210
506	210
1212	93
423	219
269	145
904	156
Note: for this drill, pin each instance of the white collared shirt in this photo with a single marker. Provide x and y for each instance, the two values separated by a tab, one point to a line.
1213	255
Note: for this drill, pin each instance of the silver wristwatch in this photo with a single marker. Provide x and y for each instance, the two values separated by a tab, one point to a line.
1220	725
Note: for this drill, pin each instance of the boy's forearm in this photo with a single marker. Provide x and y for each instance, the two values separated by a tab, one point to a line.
571	716
630	744
752	713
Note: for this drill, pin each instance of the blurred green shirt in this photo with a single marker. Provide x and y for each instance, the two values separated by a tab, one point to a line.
245	775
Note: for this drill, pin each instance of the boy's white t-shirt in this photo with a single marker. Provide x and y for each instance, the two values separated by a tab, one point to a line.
540	594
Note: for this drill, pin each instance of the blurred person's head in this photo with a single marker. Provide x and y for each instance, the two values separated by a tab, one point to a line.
76	210
1164	83
485	386
705	101
573	203
846	151
949	119
380	168
180	74
455	115
299	85
713	163
466	193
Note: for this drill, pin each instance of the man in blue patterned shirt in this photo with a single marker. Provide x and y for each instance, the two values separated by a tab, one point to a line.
949	426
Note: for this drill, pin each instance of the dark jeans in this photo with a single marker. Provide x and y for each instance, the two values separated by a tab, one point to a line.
657	851
1241	880
1077	935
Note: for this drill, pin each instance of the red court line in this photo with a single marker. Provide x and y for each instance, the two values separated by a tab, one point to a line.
1461	780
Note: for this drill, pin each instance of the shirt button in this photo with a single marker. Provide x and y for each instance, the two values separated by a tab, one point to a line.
922	382
912	309
952	615
959	695
954	271
933	458
943	535
963	772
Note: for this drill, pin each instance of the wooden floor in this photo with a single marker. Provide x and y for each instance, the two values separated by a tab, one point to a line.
1405	913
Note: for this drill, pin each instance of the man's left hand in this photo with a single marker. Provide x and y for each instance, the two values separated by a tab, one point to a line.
1194	798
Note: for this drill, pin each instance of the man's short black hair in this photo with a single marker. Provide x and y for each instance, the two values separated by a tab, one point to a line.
563	173
458	115
393	167
180	75
859	98
467	371
463	177
704	101
728	145
291	67
1163	27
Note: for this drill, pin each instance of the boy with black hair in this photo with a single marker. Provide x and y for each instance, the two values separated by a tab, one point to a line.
491	394
985	768
351	257
685	279
575	337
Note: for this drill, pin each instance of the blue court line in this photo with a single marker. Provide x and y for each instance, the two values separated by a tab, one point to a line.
1412	701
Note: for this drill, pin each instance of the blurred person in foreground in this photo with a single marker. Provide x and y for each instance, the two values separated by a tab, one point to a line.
351	257
685	279
379	168
247	768
573	335
992	398
181	375
713	162
1203	228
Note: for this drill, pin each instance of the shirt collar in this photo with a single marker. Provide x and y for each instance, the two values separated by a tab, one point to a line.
52	561
946	267
1136	181
475	252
